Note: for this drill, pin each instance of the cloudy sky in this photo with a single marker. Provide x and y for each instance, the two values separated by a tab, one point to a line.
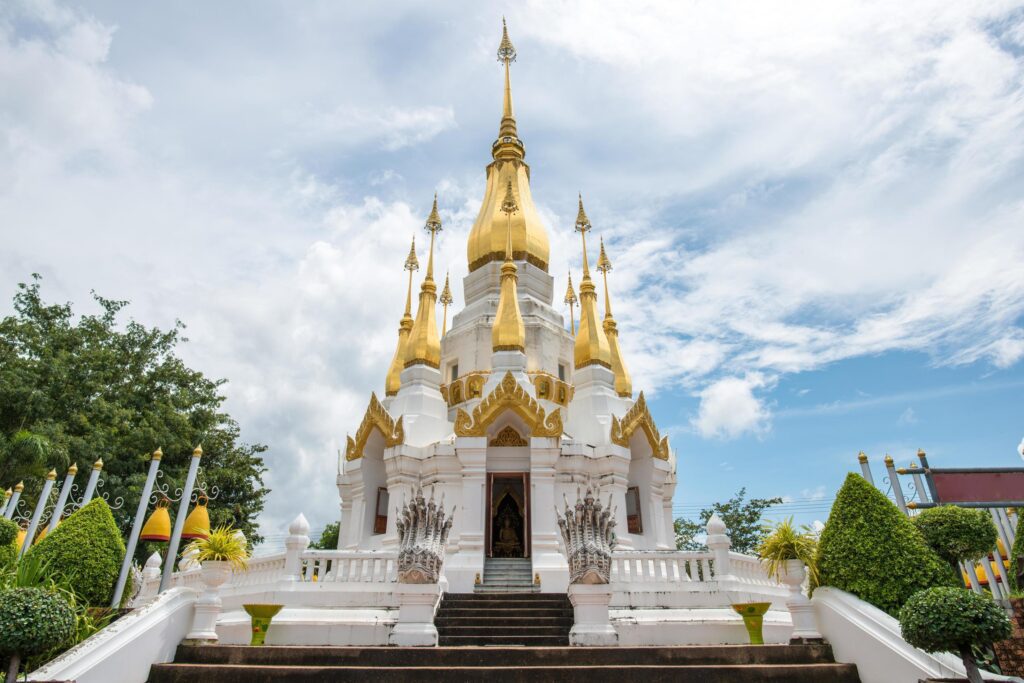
815	210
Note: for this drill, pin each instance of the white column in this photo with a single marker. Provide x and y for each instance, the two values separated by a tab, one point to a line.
592	626
548	560
208	605
467	539
417	604
805	625
295	545
718	543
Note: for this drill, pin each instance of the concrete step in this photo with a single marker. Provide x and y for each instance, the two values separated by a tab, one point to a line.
487	620
535	613
523	641
227	673
513	632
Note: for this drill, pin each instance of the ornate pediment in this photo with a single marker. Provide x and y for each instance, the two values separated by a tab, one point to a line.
508	437
639	417
376	417
508	395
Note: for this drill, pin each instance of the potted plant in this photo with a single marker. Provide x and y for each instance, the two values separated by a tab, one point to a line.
219	554
789	555
947	619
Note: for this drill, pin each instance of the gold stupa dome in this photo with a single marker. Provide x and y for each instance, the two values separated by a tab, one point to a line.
489	234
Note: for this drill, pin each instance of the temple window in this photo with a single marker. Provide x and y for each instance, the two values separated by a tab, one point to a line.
634	522
561	372
380	521
455	372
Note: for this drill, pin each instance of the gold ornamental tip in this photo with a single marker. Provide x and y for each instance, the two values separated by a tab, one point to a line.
98	465
862	457
912	505
8	493
158	453
197	452
411	262
19	487
433	223
888	459
73	470
446	293
506	51
51	475
604	264
582	222
920	453
570	294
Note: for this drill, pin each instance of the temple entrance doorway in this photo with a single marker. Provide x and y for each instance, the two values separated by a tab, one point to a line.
508	524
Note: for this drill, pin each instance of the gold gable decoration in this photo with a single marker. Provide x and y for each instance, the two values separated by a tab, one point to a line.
376	417
508	395
635	418
508	438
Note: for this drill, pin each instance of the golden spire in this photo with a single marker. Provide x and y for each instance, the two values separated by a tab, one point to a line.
424	346
570	298
393	382
591	343
508	144
508	332
446	300
623	383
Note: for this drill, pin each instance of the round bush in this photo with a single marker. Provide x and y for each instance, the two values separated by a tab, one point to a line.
1017	551
871	549
33	620
951	619
86	552
8	531
957	534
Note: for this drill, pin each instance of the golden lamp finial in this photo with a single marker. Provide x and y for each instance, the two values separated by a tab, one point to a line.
51	475
197	452
98	465
570	298
862	457
73	470
19	487
158	453
446	300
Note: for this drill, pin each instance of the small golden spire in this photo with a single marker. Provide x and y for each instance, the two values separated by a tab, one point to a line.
570	298
98	465
508	332
623	382
446	300
508	145
197	452
393	382
862	457
158	453
888	459
19	487
73	470
591	346
424	346
51	475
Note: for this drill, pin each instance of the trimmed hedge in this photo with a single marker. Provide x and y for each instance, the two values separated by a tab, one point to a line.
872	550
8	534
1017	551
33	620
85	551
951	620
957	534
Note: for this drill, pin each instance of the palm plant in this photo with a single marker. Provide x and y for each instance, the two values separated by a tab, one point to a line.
224	544
786	542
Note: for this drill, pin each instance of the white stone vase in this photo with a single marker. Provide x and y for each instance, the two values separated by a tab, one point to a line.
805	626
208	605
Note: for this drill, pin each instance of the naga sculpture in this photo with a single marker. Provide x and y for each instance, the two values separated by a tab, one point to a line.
423	528
589	535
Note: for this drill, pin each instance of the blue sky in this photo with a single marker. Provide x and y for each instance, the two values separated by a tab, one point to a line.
814	212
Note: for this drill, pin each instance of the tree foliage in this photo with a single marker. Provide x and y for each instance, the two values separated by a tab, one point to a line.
871	549
741	517
74	389
328	539
33	620
957	534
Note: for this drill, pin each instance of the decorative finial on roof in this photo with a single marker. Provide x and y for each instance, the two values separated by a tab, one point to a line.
623	382
433	223
604	264
446	292
392	382
424	346
506	52
582	222
591	346
411	262
570	298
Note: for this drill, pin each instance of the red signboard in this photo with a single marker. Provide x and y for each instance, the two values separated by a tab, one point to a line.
978	486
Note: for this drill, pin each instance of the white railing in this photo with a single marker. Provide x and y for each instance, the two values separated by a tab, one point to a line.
261	570
333	566
661	566
749	570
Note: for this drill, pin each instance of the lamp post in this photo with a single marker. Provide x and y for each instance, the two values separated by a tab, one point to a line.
94	476
12	504
51	477
179	520
140	513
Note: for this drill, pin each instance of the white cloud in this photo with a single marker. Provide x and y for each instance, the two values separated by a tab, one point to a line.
728	408
393	127
908	417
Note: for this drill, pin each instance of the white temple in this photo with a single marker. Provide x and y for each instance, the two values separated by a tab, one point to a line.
511	408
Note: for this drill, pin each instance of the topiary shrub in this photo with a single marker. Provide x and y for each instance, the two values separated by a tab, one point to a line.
8	551
871	549
953	620
957	534
1016	580
32	620
85	552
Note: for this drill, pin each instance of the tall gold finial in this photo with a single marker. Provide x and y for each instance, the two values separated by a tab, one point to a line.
570	298
393	382
508	145
591	342
446	300
508	332
623	382
424	346
19	487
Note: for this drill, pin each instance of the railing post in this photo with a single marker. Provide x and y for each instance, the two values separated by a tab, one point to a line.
62	498
865	468
51	477
12	504
894	480
94	477
133	535
295	545
719	543
179	520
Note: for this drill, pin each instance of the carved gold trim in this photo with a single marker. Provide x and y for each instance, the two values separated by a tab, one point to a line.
376	417
464	388
508	437
551	388
508	395
638	417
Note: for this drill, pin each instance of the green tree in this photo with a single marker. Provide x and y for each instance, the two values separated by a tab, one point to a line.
77	388
328	539
742	518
